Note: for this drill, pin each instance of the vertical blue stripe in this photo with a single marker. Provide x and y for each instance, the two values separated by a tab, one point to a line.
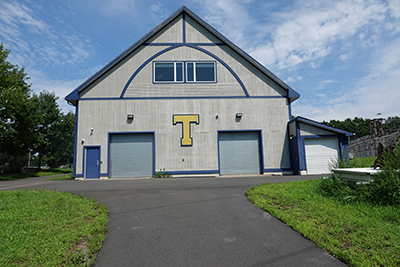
76	137
290	109
183	28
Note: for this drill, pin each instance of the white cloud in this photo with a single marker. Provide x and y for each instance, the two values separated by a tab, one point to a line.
310	31
394	6
46	45
230	17
343	57
158	11
377	92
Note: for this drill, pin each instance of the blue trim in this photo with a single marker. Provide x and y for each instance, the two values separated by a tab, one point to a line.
193	172
127	51
318	136
83	160
322	126
176	46
301	149
277	170
235	131
293	95
76	139
141	67
225	65
117	133
173	44
79	175
289	109
177	97
194	69
72	96
190	128
153	67
184	69
183	28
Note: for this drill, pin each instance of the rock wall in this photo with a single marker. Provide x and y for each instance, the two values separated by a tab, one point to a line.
366	146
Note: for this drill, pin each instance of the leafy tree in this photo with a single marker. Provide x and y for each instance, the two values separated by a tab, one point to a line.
17	113
48	115
62	144
359	126
392	124
31	122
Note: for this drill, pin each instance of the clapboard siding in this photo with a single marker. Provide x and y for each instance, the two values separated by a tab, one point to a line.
184	90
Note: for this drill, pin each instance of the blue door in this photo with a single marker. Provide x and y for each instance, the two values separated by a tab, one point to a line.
92	162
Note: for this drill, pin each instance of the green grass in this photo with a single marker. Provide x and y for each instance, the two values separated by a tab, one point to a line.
362	162
358	234
41	173
49	228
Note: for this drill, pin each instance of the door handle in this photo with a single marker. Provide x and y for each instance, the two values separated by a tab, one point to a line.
97	163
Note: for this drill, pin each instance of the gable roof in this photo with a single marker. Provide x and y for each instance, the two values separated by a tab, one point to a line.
321	126
73	97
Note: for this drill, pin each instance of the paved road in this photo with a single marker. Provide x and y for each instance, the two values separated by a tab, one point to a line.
190	222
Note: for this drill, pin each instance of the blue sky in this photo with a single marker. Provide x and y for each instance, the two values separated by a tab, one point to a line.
343	56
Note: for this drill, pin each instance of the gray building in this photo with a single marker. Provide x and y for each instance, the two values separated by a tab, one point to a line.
185	100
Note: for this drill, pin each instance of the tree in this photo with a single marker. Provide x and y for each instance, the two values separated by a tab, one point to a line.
62	150
17	113
392	124
31	122
358	126
48	114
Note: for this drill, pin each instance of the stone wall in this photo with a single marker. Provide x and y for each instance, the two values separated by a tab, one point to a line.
366	145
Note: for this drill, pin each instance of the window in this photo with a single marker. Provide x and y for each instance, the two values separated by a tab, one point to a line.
173	72
168	72
200	71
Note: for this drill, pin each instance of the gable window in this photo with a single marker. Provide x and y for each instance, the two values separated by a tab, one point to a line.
168	71
200	72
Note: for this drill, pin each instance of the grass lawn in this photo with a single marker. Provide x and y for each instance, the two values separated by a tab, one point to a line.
358	234
362	162
49	228
47	172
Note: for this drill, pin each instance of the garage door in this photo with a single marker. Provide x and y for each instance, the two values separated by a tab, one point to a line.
239	153
320	152
131	155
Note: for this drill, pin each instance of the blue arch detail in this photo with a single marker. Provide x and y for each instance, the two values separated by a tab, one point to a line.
176	46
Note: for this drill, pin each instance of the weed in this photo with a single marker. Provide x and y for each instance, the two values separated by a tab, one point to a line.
161	174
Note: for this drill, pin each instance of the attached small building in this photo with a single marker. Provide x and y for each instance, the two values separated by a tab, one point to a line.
185	100
314	147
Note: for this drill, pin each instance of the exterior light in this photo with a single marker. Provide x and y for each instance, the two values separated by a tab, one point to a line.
130	116
239	115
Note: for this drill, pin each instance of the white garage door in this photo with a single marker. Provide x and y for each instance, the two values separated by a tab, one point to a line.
131	155
239	153
320	152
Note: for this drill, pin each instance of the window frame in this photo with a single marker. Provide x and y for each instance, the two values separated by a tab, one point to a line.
194	71
175	71
185	71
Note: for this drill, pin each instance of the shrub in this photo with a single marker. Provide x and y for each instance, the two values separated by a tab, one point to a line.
384	190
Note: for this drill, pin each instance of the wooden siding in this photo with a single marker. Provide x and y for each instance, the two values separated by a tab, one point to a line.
306	129
171	33
155	115
256	83
195	33
112	82
142	85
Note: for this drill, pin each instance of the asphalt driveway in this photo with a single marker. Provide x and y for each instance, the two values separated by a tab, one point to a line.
190	222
